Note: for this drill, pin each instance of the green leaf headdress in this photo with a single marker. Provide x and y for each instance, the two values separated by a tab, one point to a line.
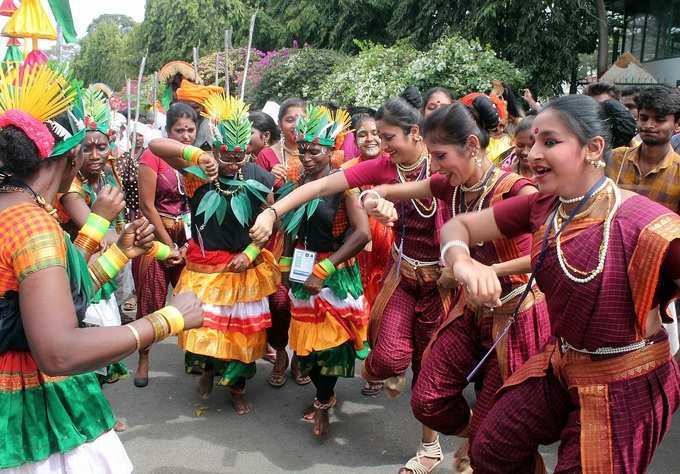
229	122
320	126
97	114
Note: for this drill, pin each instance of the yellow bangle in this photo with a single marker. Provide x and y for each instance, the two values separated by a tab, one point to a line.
174	318
135	333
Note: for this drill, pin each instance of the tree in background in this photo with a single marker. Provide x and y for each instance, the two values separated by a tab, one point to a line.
105	51
171	29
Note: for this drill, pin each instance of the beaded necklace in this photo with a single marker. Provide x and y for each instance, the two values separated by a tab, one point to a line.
567	269
486	185
427	210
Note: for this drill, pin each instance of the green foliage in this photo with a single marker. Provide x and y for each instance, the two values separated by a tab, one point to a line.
542	36
104	54
297	74
171	29
367	79
379	72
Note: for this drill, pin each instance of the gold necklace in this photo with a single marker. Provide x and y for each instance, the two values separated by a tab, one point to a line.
26	189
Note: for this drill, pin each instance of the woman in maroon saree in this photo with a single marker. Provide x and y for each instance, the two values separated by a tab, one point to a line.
464	178
605	386
410	306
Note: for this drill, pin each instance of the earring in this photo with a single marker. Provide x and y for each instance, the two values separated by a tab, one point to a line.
599	163
478	160
418	138
72	163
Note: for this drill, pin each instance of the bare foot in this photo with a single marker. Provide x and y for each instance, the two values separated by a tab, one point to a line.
120	426
241	405
321	422
308	413
461	459
205	384
395	385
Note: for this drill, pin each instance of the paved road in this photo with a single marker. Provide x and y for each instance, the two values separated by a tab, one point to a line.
367	435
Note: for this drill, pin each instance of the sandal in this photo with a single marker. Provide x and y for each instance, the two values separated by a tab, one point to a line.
278	377
372	389
431	450
297	375
129	306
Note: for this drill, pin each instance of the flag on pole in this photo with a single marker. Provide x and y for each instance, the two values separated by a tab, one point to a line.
61	9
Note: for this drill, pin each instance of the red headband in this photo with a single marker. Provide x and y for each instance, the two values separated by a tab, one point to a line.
32	127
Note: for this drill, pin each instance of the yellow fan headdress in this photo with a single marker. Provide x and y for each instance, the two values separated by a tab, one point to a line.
229	122
31	96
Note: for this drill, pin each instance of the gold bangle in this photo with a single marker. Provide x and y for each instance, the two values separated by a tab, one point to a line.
117	256
174	318
98	274
88	244
135	333
160	326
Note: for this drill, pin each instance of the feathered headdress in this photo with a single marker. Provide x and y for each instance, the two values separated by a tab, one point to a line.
96	111
229	122
76	119
320	126
31	96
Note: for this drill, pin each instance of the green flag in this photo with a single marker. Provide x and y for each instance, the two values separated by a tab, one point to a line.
61	9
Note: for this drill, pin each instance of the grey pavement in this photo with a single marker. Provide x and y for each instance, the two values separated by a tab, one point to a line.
173	431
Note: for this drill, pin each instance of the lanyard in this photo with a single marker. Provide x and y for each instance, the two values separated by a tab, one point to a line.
537	268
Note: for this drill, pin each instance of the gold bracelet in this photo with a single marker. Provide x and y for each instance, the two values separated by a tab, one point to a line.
174	318
135	333
98	274
117	256
88	244
160	326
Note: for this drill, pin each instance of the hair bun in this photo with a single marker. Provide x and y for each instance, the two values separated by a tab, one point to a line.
621	122
485	112
412	95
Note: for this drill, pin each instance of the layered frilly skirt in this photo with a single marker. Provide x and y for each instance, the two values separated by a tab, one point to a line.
235	311
329	329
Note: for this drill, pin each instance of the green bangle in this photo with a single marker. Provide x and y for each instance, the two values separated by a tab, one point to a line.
188	152
286	261
252	252
328	266
108	266
97	222
162	252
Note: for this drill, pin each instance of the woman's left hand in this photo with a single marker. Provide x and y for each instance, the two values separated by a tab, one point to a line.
313	284
239	263
137	238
